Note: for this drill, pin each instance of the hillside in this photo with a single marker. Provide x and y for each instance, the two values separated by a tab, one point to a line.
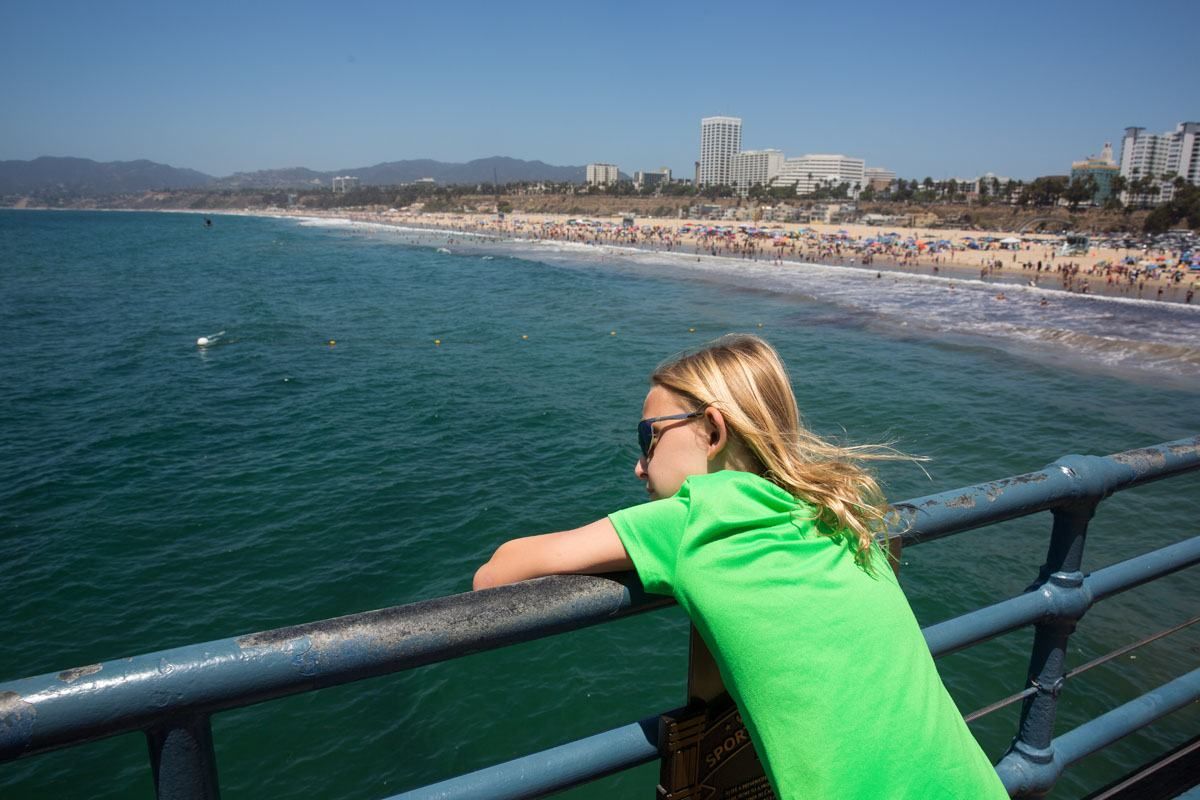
394	173
86	177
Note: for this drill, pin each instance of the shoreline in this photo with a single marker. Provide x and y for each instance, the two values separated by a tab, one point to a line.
999	272
1113	333
1077	275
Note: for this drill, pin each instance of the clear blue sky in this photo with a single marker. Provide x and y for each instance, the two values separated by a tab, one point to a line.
943	89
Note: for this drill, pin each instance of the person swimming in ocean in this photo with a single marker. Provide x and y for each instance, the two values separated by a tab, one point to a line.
766	536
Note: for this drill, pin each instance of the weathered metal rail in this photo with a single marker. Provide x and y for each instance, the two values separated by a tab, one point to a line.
171	694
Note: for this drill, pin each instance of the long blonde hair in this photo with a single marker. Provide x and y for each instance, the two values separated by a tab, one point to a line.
743	377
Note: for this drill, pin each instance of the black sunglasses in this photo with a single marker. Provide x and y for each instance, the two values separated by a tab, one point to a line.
646	429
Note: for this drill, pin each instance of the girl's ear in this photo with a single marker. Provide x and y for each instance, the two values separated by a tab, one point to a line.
718	432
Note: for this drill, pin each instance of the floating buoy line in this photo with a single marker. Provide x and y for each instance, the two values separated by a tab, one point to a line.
212	339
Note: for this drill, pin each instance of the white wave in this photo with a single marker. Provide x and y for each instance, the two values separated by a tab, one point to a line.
325	222
389	227
1103	329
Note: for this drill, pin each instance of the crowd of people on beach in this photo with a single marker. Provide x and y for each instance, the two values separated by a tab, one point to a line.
1036	260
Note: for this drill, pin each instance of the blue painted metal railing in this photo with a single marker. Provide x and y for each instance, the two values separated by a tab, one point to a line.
171	694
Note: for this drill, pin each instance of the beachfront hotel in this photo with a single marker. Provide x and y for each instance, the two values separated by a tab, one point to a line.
813	171
1102	169
720	142
754	167
878	178
642	178
344	183
602	174
1152	155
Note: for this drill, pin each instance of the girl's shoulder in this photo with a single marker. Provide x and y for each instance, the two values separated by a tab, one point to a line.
733	478
728	485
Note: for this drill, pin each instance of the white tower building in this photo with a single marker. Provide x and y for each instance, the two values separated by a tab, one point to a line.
751	167
720	141
602	174
1183	155
1174	152
815	170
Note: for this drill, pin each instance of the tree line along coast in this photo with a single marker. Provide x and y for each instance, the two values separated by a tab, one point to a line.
926	203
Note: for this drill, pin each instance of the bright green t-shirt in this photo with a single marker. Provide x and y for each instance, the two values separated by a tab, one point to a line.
824	659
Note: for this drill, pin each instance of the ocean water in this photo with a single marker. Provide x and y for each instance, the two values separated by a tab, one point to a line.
157	493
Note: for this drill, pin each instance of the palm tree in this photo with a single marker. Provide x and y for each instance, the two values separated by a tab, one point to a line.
1117	186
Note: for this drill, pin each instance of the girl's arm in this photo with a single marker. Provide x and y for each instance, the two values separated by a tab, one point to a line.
592	548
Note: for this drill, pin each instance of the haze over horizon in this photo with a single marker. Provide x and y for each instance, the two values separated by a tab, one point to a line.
942	90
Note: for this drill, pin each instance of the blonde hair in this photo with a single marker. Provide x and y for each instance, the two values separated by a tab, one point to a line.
743	377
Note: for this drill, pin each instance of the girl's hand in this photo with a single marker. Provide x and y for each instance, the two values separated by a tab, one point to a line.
592	548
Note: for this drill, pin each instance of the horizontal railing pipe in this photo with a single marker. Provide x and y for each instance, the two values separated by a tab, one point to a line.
986	623
59	709
1134	572
78	705
1069	479
1096	734
1159	461
552	770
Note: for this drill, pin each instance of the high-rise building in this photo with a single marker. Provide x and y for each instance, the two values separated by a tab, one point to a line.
602	174
1183	157
1152	155
720	141
751	167
344	183
813	171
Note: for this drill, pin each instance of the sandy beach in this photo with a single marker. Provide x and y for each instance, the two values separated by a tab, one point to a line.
979	255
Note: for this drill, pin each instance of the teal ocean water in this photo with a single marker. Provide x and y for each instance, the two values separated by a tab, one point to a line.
156	493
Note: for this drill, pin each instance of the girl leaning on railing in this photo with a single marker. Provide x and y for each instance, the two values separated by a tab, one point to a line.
765	535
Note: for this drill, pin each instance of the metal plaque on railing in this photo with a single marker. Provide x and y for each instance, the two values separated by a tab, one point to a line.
705	747
707	755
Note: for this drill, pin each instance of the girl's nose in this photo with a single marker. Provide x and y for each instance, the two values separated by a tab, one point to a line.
639	468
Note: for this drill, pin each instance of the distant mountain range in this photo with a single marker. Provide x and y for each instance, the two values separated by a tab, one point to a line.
84	176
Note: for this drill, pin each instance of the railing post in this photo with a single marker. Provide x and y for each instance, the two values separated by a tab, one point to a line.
181	753
1028	768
